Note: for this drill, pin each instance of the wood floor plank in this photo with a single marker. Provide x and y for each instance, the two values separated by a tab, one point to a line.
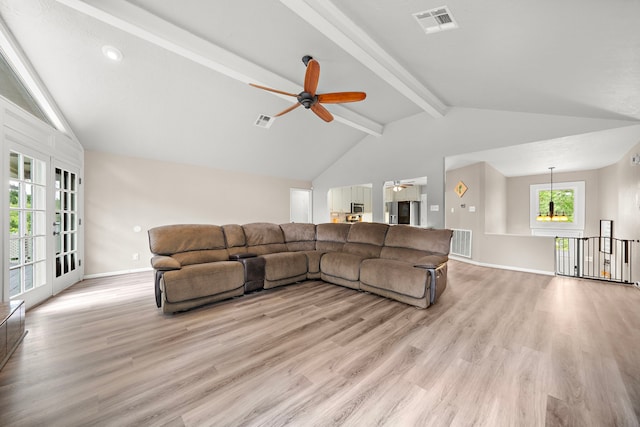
500	348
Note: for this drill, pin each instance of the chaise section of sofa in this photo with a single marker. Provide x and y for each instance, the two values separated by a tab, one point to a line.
411	267
192	266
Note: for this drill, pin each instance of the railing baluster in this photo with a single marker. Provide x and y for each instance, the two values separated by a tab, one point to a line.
590	258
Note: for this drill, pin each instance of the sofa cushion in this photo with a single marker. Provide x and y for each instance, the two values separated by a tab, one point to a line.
395	276
402	254
299	237
284	265
202	280
164	263
421	239
234	235
372	233
331	237
171	239
342	265
264	238
366	239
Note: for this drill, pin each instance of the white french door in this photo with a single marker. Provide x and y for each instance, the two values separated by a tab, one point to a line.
29	271
65	226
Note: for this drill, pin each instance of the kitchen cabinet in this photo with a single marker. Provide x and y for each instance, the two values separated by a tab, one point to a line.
346	199
357	195
367	199
340	199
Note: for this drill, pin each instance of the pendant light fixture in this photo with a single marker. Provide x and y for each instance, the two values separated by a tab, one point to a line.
551	215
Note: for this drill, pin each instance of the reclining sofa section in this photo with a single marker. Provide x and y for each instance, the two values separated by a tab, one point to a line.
200	264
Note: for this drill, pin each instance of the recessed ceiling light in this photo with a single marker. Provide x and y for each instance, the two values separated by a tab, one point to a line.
112	53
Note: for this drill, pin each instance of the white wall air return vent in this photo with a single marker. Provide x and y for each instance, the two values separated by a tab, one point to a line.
461	243
434	20
264	121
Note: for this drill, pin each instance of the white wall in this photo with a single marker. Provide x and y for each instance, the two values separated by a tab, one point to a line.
417	146
125	192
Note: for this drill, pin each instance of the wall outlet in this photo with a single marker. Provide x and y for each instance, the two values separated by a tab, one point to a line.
135	256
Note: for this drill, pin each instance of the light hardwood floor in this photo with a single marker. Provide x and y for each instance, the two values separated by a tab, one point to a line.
500	348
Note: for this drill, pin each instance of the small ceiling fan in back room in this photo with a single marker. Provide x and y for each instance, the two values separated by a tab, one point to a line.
309	99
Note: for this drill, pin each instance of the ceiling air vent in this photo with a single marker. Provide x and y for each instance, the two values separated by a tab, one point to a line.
264	121
434	20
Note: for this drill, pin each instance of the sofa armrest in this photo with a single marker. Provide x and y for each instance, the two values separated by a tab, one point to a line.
164	263
431	261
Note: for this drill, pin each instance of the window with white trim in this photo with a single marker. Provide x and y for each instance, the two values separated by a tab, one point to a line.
569	202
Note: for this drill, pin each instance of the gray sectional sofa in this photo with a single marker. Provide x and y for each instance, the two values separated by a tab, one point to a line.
200	264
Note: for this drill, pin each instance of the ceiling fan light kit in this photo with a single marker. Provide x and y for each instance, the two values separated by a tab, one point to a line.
309	99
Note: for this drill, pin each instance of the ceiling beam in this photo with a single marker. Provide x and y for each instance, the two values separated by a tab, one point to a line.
149	27
339	28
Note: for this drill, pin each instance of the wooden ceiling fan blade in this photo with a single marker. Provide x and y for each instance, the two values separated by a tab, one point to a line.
312	76
340	97
293	107
322	112
273	90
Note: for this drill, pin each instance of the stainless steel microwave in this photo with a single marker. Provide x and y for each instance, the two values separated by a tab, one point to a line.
357	208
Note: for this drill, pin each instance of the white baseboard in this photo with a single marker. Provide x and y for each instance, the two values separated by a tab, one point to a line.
502	267
117	273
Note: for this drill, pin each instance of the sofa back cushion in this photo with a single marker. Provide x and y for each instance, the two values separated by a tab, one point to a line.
299	237
264	238
422	239
234	236
366	238
331	237
408	243
173	239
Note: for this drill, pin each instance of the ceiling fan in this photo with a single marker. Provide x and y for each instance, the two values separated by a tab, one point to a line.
312	100
398	186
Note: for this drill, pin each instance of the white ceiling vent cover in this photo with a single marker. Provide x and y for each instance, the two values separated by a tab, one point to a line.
264	121
434	20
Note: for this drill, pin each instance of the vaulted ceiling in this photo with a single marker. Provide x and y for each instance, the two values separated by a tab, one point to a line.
181	91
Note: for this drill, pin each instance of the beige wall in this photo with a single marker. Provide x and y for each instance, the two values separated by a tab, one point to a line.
124	192
525	252
620	195
518	199
612	193
495	220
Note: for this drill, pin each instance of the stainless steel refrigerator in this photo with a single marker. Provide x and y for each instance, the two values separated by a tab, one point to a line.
404	213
